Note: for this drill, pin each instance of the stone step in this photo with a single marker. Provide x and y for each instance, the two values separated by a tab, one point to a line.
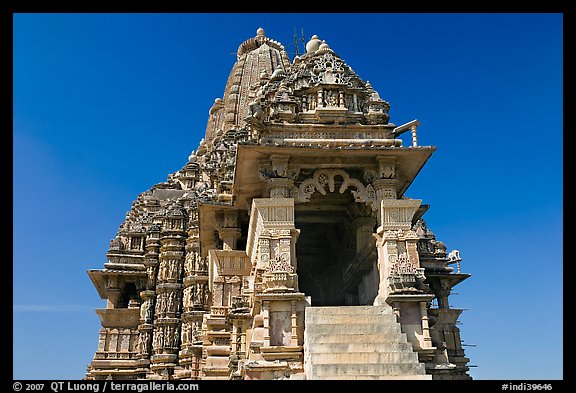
351	358
355	338
351	319
358	342
387	369
355	310
393	346
334	328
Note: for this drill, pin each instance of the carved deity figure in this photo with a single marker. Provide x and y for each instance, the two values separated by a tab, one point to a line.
197	294
151	276
173	268
186	333
149	311
161	304
125	342
170	303
143	342
189	263
187	297
143	308
202	264
331	98
163	271
158	341
176	336
196	331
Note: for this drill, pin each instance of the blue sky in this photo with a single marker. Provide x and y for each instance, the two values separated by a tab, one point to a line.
107	105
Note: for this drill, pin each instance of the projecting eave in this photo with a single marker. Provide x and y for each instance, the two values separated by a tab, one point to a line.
249	184
98	280
210	217
100	277
453	279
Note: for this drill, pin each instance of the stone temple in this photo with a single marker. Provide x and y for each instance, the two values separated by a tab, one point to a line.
285	247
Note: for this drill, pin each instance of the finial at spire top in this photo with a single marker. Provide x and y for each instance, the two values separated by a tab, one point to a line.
260	32
313	45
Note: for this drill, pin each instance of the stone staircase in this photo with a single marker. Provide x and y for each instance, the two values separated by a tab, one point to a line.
357	342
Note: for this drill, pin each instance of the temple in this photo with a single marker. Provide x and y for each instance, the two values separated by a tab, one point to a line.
285	247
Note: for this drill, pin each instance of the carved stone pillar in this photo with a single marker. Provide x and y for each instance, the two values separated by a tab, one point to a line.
151	256
194	302
229	232
395	218
414	136
217	344
166	338
427	340
279	187
271	247
266	315
364	227
294	323
277	183
241	321
229	237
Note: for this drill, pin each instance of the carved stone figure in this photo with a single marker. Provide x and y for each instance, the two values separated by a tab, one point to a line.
143	339
143	309
170	303
189	262
454	255
186	333
158	340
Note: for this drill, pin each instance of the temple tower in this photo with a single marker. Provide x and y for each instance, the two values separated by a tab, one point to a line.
285	248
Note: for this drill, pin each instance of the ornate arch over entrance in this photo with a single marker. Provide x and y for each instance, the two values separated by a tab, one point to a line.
327	177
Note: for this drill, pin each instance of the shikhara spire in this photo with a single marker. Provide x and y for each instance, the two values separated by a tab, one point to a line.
285	247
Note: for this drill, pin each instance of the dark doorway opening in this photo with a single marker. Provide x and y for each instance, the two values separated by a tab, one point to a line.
335	251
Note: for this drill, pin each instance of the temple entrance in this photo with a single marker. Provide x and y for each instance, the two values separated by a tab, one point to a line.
336	252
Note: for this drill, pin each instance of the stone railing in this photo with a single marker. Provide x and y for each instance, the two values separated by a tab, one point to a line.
412	126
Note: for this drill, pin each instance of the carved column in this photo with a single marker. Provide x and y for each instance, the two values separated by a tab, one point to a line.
401	277
229	232
364	227
241	320
194	301
227	271
425	328
217	344
166	337
266	315
395	218
414	136
148	296
279	187
293	323
277	183
271	247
